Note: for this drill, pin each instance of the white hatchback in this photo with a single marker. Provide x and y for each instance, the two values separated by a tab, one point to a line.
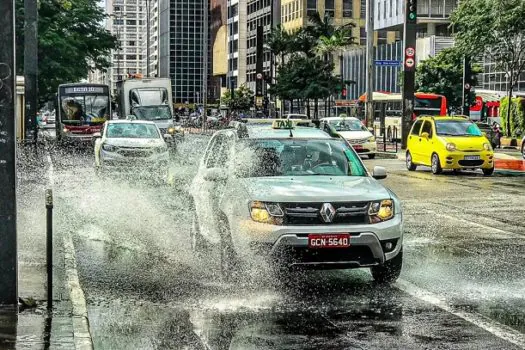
350	128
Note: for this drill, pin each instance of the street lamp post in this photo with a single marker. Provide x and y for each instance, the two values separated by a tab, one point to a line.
148	6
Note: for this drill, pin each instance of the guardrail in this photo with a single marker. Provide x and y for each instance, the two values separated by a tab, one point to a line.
387	139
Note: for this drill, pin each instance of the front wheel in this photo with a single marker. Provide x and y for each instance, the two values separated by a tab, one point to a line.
436	165
488	172
389	271
410	164
371	156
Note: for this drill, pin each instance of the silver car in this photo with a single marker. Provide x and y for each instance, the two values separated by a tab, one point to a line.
297	196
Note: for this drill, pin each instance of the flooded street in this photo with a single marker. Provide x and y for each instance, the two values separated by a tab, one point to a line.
462	286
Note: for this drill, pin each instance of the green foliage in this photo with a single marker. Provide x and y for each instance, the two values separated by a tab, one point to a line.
242	100
443	74
517	116
306	65
495	28
71	39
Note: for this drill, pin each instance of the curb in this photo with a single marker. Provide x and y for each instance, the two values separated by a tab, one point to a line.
81	332
387	155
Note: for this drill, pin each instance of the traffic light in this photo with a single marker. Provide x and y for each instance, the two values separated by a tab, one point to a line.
343	92
469	93
411	11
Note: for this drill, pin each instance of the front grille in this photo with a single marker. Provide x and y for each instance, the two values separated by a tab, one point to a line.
310	213
464	162
361	254
136	153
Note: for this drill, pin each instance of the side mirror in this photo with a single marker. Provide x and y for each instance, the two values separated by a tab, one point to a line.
379	173
97	135
425	135
215	175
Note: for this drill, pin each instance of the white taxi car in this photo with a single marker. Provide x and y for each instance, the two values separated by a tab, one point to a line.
361	139
297	195
136	144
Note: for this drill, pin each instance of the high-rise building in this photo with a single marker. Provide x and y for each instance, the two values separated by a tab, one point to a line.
218	48
237	18
126	23
265	13
153	6
181	48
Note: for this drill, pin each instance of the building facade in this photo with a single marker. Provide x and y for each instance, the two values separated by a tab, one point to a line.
181	48
237	44
218	49
126	23
153	6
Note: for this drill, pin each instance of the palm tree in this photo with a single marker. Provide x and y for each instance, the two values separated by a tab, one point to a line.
279	42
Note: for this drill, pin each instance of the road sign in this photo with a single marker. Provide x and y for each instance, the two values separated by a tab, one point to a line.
259	76
467	86
410	52
410	62
387	63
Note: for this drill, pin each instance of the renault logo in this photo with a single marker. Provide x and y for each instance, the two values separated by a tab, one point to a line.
327	212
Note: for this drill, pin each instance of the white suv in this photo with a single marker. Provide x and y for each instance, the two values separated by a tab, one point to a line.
298	196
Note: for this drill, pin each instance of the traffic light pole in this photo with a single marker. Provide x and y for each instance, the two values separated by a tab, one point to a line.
467	86
409	71
8	245
30	69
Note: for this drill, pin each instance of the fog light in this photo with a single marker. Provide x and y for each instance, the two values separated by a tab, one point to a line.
389	246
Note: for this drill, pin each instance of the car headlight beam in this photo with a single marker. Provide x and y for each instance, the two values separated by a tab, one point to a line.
267	213
487	146
381	211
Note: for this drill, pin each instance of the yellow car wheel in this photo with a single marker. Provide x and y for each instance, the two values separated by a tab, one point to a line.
436	165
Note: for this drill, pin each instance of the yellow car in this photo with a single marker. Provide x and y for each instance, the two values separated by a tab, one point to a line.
448	143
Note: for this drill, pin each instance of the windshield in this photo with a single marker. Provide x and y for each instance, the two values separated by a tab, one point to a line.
457	128
152	112
85	109
347	125
132	131
275	157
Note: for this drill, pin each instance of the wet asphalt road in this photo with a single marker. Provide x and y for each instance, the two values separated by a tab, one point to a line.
464	258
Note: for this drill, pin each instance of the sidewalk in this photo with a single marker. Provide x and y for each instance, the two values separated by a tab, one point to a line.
32	326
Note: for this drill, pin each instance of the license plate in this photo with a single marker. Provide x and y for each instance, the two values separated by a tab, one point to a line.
338	240
472	157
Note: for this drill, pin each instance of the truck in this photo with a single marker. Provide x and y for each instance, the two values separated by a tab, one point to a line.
148	99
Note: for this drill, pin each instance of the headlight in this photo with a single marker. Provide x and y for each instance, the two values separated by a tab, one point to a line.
371	139
381	211
65	130
451	147
487	146
171	130
267	213
109	148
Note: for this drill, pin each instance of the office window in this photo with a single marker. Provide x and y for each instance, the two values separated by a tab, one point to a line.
311	7
363	9
347	8
329	8
362	36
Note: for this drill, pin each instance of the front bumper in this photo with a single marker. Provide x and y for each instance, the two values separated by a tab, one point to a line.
115	160
289	244
456	160
366	148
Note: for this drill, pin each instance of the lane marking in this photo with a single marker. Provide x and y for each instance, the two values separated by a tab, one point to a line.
81	332
497	329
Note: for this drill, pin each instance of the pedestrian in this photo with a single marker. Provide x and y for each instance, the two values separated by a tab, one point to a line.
497	134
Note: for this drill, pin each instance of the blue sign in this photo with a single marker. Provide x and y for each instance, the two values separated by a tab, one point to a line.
387	63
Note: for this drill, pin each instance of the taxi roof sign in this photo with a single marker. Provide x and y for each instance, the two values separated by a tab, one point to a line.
284	124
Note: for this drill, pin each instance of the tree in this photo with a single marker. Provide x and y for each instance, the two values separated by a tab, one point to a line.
443	74
330	38
71	39
496	29
242	100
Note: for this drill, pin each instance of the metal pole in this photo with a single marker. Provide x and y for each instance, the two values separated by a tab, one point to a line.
148	5
49	250
8	247
205	64
30	68
370	63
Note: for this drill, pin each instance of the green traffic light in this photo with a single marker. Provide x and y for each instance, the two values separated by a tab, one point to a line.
412	16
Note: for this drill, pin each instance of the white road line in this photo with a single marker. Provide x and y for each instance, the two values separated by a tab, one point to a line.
499	330
81	332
